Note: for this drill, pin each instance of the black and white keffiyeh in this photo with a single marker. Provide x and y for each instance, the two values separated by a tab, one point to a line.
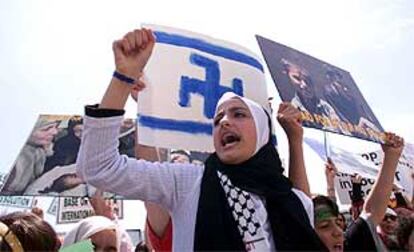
242	207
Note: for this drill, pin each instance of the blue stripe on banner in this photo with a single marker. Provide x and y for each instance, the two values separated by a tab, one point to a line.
182	41
176	125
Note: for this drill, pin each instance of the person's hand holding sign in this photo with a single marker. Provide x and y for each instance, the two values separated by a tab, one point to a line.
289	118
393	145
378	198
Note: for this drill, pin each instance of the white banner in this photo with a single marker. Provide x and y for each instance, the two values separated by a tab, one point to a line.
187	74
367	165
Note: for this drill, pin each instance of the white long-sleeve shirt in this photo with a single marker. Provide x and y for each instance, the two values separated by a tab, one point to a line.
176	187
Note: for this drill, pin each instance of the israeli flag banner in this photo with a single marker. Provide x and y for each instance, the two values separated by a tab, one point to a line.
185	77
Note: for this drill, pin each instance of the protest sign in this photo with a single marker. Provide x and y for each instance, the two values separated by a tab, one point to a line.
74	209
343	187
367	165
16	201
405	169
326	95
187	74
46	163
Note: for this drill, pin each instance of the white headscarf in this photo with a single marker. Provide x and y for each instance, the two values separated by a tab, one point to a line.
259	116
88	227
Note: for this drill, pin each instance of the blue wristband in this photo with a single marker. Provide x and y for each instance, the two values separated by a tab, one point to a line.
123	78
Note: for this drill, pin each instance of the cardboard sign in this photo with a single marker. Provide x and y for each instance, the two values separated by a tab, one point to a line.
74	209
187	74
327	96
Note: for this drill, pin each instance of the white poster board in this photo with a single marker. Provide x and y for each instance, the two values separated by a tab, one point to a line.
74	209
17	201
187	74
367	165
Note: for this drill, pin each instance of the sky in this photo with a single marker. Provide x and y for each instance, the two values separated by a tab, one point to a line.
55	56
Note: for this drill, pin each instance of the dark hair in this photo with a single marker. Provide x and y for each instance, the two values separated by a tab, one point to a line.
181	152
404	229
33	233
401	202
142	247
324	200
342	216
73	121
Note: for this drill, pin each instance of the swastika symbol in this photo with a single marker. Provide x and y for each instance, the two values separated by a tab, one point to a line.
209	88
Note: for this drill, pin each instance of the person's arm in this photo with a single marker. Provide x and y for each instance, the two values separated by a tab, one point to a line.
159	227
289	118
376	202
131	55
158	218
99	162
330	172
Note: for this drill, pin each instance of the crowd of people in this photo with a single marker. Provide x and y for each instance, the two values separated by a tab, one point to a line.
238	199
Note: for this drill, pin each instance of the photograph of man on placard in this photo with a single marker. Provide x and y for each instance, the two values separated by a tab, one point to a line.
326	95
